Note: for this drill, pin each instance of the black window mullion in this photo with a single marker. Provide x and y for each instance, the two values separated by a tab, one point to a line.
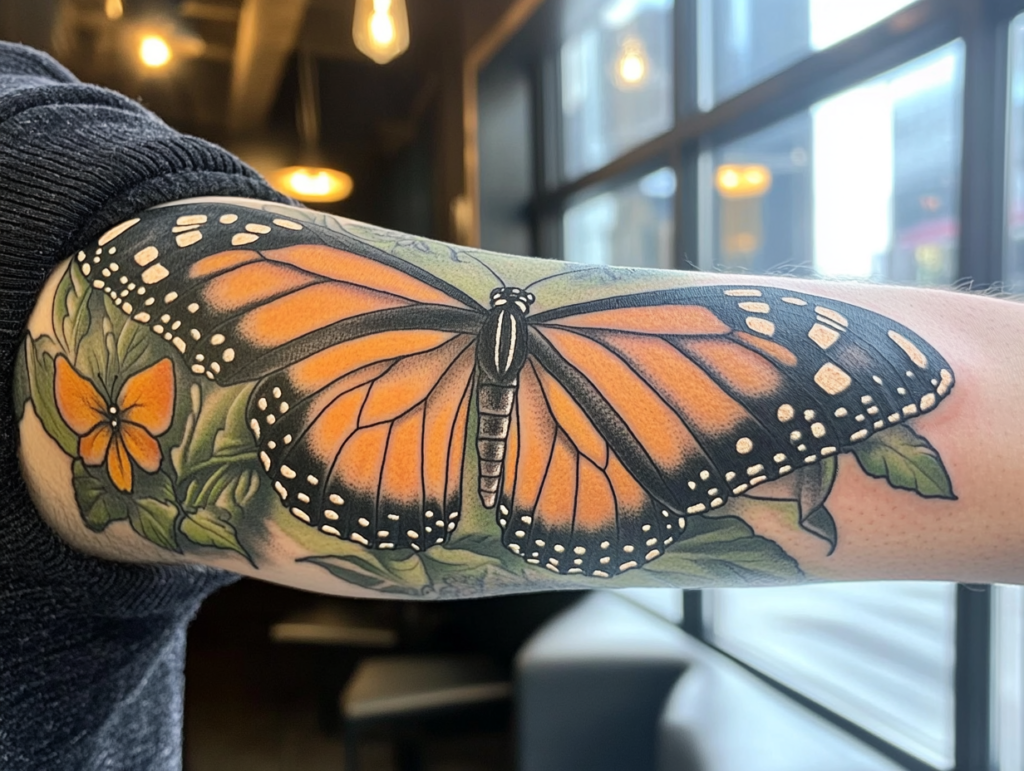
982	180
547	128
686	59
972	679
686	42
693	613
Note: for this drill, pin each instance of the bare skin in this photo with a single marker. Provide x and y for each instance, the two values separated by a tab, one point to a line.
144	450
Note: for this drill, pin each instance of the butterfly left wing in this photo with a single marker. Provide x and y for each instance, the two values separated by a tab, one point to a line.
362	362
635	412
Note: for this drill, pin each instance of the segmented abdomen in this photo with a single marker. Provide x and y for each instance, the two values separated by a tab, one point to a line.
494	408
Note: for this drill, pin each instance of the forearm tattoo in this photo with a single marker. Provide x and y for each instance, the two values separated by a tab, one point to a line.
421	425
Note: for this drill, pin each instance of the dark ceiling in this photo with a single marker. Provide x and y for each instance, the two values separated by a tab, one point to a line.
234	75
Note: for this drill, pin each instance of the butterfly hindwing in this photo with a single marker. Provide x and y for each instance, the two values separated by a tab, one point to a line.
568	503
387	440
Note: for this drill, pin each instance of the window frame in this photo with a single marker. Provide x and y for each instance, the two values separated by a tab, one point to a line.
923	26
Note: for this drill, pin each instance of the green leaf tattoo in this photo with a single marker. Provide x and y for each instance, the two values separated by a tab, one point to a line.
212	527
907	461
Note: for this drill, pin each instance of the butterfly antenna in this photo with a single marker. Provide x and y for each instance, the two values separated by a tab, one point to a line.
559	275
488	269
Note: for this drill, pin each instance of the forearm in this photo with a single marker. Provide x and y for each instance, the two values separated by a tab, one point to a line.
342	408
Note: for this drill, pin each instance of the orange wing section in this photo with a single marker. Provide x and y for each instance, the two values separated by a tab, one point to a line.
344	266
746	372
323	367
567	501
629	420
389	437
147	397
663	436
297	313
651	319
78	401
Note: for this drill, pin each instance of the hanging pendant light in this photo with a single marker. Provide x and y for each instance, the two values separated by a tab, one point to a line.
632	65
380	29
311	180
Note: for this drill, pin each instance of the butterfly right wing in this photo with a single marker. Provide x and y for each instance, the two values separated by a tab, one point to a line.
636	412
568	501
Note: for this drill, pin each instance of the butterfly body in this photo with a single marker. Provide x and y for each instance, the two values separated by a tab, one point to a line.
601	425
502	347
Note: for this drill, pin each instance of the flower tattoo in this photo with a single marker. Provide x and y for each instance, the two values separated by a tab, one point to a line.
124	430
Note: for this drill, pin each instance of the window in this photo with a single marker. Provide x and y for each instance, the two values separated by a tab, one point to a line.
630	225
1008	677
880	654
751	40
616	84
816	137
865	184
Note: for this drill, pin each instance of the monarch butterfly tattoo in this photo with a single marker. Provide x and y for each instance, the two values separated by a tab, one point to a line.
598	426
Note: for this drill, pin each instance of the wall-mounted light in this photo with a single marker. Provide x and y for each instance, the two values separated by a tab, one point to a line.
734	180
380	29
631	67
114	9
154	51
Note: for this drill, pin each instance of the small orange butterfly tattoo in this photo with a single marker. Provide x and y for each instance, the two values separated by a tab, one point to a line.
121	432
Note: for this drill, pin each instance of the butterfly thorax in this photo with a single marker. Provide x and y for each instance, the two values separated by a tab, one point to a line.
502	342
501	352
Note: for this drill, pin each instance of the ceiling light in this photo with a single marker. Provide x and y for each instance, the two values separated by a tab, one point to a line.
631	67
114	9
734	180
154	51
314	184
310	180
380	29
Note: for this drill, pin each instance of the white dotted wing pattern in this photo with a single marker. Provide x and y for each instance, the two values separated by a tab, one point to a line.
608	423
749	384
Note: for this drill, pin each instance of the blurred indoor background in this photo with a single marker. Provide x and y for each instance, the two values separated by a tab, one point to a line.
878	140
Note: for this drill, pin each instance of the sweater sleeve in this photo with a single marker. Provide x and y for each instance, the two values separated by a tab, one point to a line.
91	652
75	160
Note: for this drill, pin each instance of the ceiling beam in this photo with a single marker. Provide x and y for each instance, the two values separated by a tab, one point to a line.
267	33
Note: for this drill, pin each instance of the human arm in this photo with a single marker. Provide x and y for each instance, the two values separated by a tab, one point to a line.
669	433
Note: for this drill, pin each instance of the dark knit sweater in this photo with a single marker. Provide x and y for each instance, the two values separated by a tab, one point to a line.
91	652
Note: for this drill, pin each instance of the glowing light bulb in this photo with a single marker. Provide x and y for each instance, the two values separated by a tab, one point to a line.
154	51
729	179
382	24
631	67
380	29
305	182
114	9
